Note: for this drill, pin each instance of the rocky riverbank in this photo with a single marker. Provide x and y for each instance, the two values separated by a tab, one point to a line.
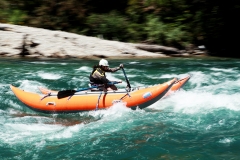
23	41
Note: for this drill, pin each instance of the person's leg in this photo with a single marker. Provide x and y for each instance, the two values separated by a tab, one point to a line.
102	88
112	87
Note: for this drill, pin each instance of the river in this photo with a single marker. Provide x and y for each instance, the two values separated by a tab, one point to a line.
200	121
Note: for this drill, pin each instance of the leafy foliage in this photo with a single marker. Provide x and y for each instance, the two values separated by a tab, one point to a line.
110	26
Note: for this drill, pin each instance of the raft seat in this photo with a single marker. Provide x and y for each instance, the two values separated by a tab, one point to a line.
94	89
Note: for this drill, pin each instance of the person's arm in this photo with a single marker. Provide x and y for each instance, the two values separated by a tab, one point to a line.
114	69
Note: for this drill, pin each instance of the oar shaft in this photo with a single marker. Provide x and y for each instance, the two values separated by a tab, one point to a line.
126	78
83	89
66	93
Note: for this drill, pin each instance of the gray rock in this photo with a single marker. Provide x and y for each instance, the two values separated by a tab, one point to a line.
26	41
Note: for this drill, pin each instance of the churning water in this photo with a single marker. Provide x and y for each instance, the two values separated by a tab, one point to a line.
200	121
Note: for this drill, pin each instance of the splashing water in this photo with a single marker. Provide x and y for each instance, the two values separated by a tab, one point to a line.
200	121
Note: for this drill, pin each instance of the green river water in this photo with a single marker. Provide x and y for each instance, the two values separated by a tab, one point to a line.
201	121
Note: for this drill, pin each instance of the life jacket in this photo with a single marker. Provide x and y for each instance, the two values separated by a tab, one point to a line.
98	76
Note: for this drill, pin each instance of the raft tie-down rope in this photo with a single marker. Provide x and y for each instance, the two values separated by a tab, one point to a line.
125	95
98	101
47	95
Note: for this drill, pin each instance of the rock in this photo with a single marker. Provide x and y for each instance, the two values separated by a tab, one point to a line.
26	41
198	52
202	47
157	48
11	43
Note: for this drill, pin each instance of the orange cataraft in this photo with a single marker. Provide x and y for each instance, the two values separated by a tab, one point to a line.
91	100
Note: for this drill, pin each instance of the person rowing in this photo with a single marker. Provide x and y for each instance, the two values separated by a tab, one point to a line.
98	76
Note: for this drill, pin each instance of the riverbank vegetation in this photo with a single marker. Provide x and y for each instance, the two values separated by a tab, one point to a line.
175	23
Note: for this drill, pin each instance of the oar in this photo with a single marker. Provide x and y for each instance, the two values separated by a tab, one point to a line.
128	84
66	93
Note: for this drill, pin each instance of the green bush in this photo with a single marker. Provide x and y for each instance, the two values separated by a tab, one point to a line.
165	34
110	26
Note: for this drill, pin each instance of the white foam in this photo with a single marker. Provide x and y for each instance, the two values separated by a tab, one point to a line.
115	110
84	69
192	102
67	132
28	85
226	140
18	132
43	62
230	70
50	76
134	62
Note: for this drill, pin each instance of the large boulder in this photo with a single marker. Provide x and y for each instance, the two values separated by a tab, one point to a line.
26	41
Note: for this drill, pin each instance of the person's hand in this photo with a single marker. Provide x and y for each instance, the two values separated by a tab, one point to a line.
121	65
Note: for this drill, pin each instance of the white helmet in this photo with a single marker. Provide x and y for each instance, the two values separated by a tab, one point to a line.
103	62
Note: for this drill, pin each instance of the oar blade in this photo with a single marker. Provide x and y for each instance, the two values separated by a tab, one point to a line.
65	93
